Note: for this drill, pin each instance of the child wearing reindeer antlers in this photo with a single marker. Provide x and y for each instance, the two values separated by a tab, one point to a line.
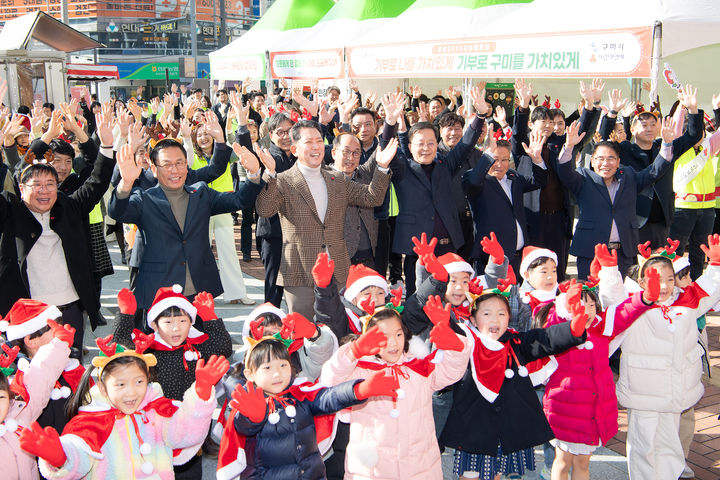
395	438
660	367
128	429
23	400
580	402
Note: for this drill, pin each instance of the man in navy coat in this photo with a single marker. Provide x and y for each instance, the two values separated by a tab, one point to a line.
174	218
606	197
422	180
495	193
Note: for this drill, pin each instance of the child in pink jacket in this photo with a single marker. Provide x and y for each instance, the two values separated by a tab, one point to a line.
36	383
580	402
389	438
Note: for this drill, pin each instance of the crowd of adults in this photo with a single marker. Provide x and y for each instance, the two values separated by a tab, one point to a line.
355	176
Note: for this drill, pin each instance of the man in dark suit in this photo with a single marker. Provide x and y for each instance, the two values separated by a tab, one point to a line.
495	193
174	217
607	195
423	178
655	203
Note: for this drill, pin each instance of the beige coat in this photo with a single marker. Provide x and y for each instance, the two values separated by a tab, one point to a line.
304	233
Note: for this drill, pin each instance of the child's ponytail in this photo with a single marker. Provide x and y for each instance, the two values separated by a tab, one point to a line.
81	396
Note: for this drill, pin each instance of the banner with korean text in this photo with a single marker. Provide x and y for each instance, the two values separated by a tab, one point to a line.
604	53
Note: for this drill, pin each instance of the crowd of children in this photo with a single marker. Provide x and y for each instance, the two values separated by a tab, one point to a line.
371	388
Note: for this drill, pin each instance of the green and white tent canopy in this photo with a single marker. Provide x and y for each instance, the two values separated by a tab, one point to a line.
245	57
321	54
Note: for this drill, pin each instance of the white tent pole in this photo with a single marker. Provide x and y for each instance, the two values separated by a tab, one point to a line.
268	74
346	69
467	101
655	60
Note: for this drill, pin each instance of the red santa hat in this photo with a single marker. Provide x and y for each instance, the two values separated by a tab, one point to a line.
679	263
26	317
454	263
362	277
530	254
167	297
25	122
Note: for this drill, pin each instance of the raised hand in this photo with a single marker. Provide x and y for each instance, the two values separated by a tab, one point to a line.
325	115
510	280
212	126
492	247
444	337
369	343
435	268
422	247
524	92
207	375
267	160
64	333
688	98
129	170
247	158
323	270
573	293
716	101
579	318
346	107
617	102
534	150
573	135
435	311
393	105
652	285
668	131
205	304
713	250
477	94
43	443
137	136
384	156
299	326
104	125
596	88
378	385
250	402
126	302
500	116
604	257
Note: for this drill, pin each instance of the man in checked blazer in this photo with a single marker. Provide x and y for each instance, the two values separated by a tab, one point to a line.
311	201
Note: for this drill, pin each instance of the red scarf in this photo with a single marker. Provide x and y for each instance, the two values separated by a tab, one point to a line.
187	346
231	458
95	427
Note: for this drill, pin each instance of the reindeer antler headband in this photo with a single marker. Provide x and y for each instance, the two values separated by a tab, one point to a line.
110	351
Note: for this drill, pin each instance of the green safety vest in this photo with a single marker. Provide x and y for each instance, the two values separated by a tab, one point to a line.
96	215
224	183
393	208
699	190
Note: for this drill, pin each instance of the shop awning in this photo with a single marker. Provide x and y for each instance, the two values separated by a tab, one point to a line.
88	71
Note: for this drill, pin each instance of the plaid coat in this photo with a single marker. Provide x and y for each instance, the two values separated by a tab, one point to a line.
304	233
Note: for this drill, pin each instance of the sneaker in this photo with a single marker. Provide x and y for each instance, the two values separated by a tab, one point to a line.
545	473
687	472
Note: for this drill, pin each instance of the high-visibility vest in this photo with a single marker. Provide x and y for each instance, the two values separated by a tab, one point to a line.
96	215
699	191
716	164
224	183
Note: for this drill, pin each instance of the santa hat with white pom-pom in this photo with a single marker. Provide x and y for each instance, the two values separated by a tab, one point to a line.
165	298
26	317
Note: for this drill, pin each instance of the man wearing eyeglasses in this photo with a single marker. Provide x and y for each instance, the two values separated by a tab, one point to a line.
174	217
44	249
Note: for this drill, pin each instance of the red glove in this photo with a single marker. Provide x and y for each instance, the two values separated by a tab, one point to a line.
579	319
378	385
510	280
435	311
64	333
300	327
250	403
713	252
595	268
422	247
126	302
369	343
604	257
652	285
573	293
44	444
206	376
435	268
441	335
323	270
205	304
492	247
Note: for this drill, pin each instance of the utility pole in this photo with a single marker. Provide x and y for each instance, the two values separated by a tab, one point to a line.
193	35
223	24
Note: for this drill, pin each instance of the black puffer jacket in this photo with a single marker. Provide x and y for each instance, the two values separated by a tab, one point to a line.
289	449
